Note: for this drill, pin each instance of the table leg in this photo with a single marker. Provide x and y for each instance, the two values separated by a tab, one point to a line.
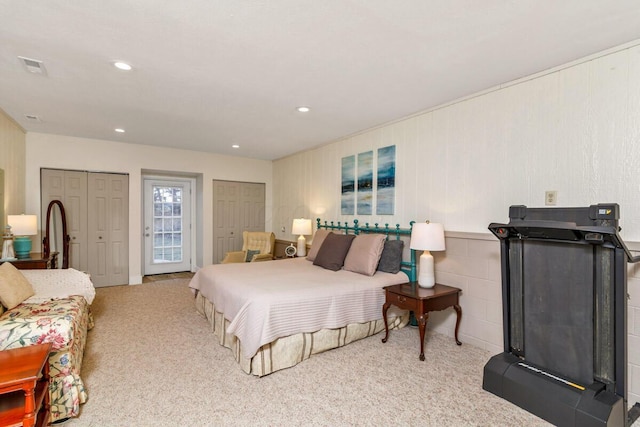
422	327
459	315
385	307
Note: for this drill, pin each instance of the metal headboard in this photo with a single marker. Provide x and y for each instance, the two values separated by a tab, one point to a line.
407	266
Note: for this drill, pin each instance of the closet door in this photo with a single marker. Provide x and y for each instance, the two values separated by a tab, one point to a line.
108	213
252	202
70	187
237	206
227	234
75	206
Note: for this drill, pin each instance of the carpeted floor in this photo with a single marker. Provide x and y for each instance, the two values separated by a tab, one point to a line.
152	361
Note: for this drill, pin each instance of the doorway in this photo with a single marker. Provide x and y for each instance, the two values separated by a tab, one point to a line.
167	225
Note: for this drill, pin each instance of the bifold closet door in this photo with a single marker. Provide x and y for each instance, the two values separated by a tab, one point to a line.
108	213
70	187
237	207
97	210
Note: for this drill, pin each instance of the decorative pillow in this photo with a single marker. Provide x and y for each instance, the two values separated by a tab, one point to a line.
333	251
14	287
391	256
318	238
250	254
364	253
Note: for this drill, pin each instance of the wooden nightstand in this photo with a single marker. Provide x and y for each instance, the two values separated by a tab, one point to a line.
36	262
421	301
24	386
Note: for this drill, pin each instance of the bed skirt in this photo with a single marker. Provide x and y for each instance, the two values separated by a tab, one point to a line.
288	351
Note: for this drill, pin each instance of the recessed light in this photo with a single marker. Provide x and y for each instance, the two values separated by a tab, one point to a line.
119	130
304	109
122	66
235	146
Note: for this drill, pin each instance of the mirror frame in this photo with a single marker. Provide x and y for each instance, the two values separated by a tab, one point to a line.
46	248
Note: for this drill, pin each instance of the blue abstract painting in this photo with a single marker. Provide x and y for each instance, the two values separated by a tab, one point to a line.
347	205
386	183
365	183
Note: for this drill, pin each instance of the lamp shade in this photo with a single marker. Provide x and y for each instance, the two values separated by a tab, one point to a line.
427	236
301	226
23	225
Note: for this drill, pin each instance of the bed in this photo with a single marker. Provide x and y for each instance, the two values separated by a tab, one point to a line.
274	315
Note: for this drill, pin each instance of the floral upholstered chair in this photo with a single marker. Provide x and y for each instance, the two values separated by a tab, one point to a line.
256	246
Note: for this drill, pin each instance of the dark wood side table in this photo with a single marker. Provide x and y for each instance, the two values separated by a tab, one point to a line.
24	386
36	262
410	296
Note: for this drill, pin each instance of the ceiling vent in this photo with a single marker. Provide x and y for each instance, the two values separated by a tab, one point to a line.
32	118
33	65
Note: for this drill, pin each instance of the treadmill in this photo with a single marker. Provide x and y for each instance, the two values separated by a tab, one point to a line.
564	299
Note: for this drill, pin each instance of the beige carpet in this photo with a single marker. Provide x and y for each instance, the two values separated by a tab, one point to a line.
152	361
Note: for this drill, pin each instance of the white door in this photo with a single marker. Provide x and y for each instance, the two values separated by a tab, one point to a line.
108	225
237	207
167	225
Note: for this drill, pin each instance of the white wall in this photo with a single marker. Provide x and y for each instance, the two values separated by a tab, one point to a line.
574	129
62	152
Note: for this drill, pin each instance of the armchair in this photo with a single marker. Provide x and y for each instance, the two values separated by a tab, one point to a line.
252	241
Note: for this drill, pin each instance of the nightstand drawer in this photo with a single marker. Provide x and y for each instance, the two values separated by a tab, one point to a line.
401	301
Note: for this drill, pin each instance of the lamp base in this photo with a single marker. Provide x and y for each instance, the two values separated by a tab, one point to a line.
22	246
426	275
302	246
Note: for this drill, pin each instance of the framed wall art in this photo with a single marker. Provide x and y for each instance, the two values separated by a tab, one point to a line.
348	196
386	180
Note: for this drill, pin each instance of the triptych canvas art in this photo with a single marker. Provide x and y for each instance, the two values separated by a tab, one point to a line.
359	187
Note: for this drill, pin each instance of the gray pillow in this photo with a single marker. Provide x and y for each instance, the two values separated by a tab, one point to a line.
251	254
391	256
333	251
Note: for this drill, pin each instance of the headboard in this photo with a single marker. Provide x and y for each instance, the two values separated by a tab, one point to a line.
408	266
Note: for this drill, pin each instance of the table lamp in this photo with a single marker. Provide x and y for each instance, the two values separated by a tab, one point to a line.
427	236
302	227
23	226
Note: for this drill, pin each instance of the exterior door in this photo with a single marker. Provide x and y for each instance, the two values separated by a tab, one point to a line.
237	206
167	226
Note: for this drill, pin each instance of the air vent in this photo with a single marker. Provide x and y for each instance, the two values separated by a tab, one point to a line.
33	65
32	118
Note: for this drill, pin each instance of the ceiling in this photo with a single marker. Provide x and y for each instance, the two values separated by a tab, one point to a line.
209	74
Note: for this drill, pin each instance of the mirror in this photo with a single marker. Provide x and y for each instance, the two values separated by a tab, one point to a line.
56	238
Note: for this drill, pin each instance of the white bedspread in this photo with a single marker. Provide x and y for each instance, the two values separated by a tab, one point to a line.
268	300
59	283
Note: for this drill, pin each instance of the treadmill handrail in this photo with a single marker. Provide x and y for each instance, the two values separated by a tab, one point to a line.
616	240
